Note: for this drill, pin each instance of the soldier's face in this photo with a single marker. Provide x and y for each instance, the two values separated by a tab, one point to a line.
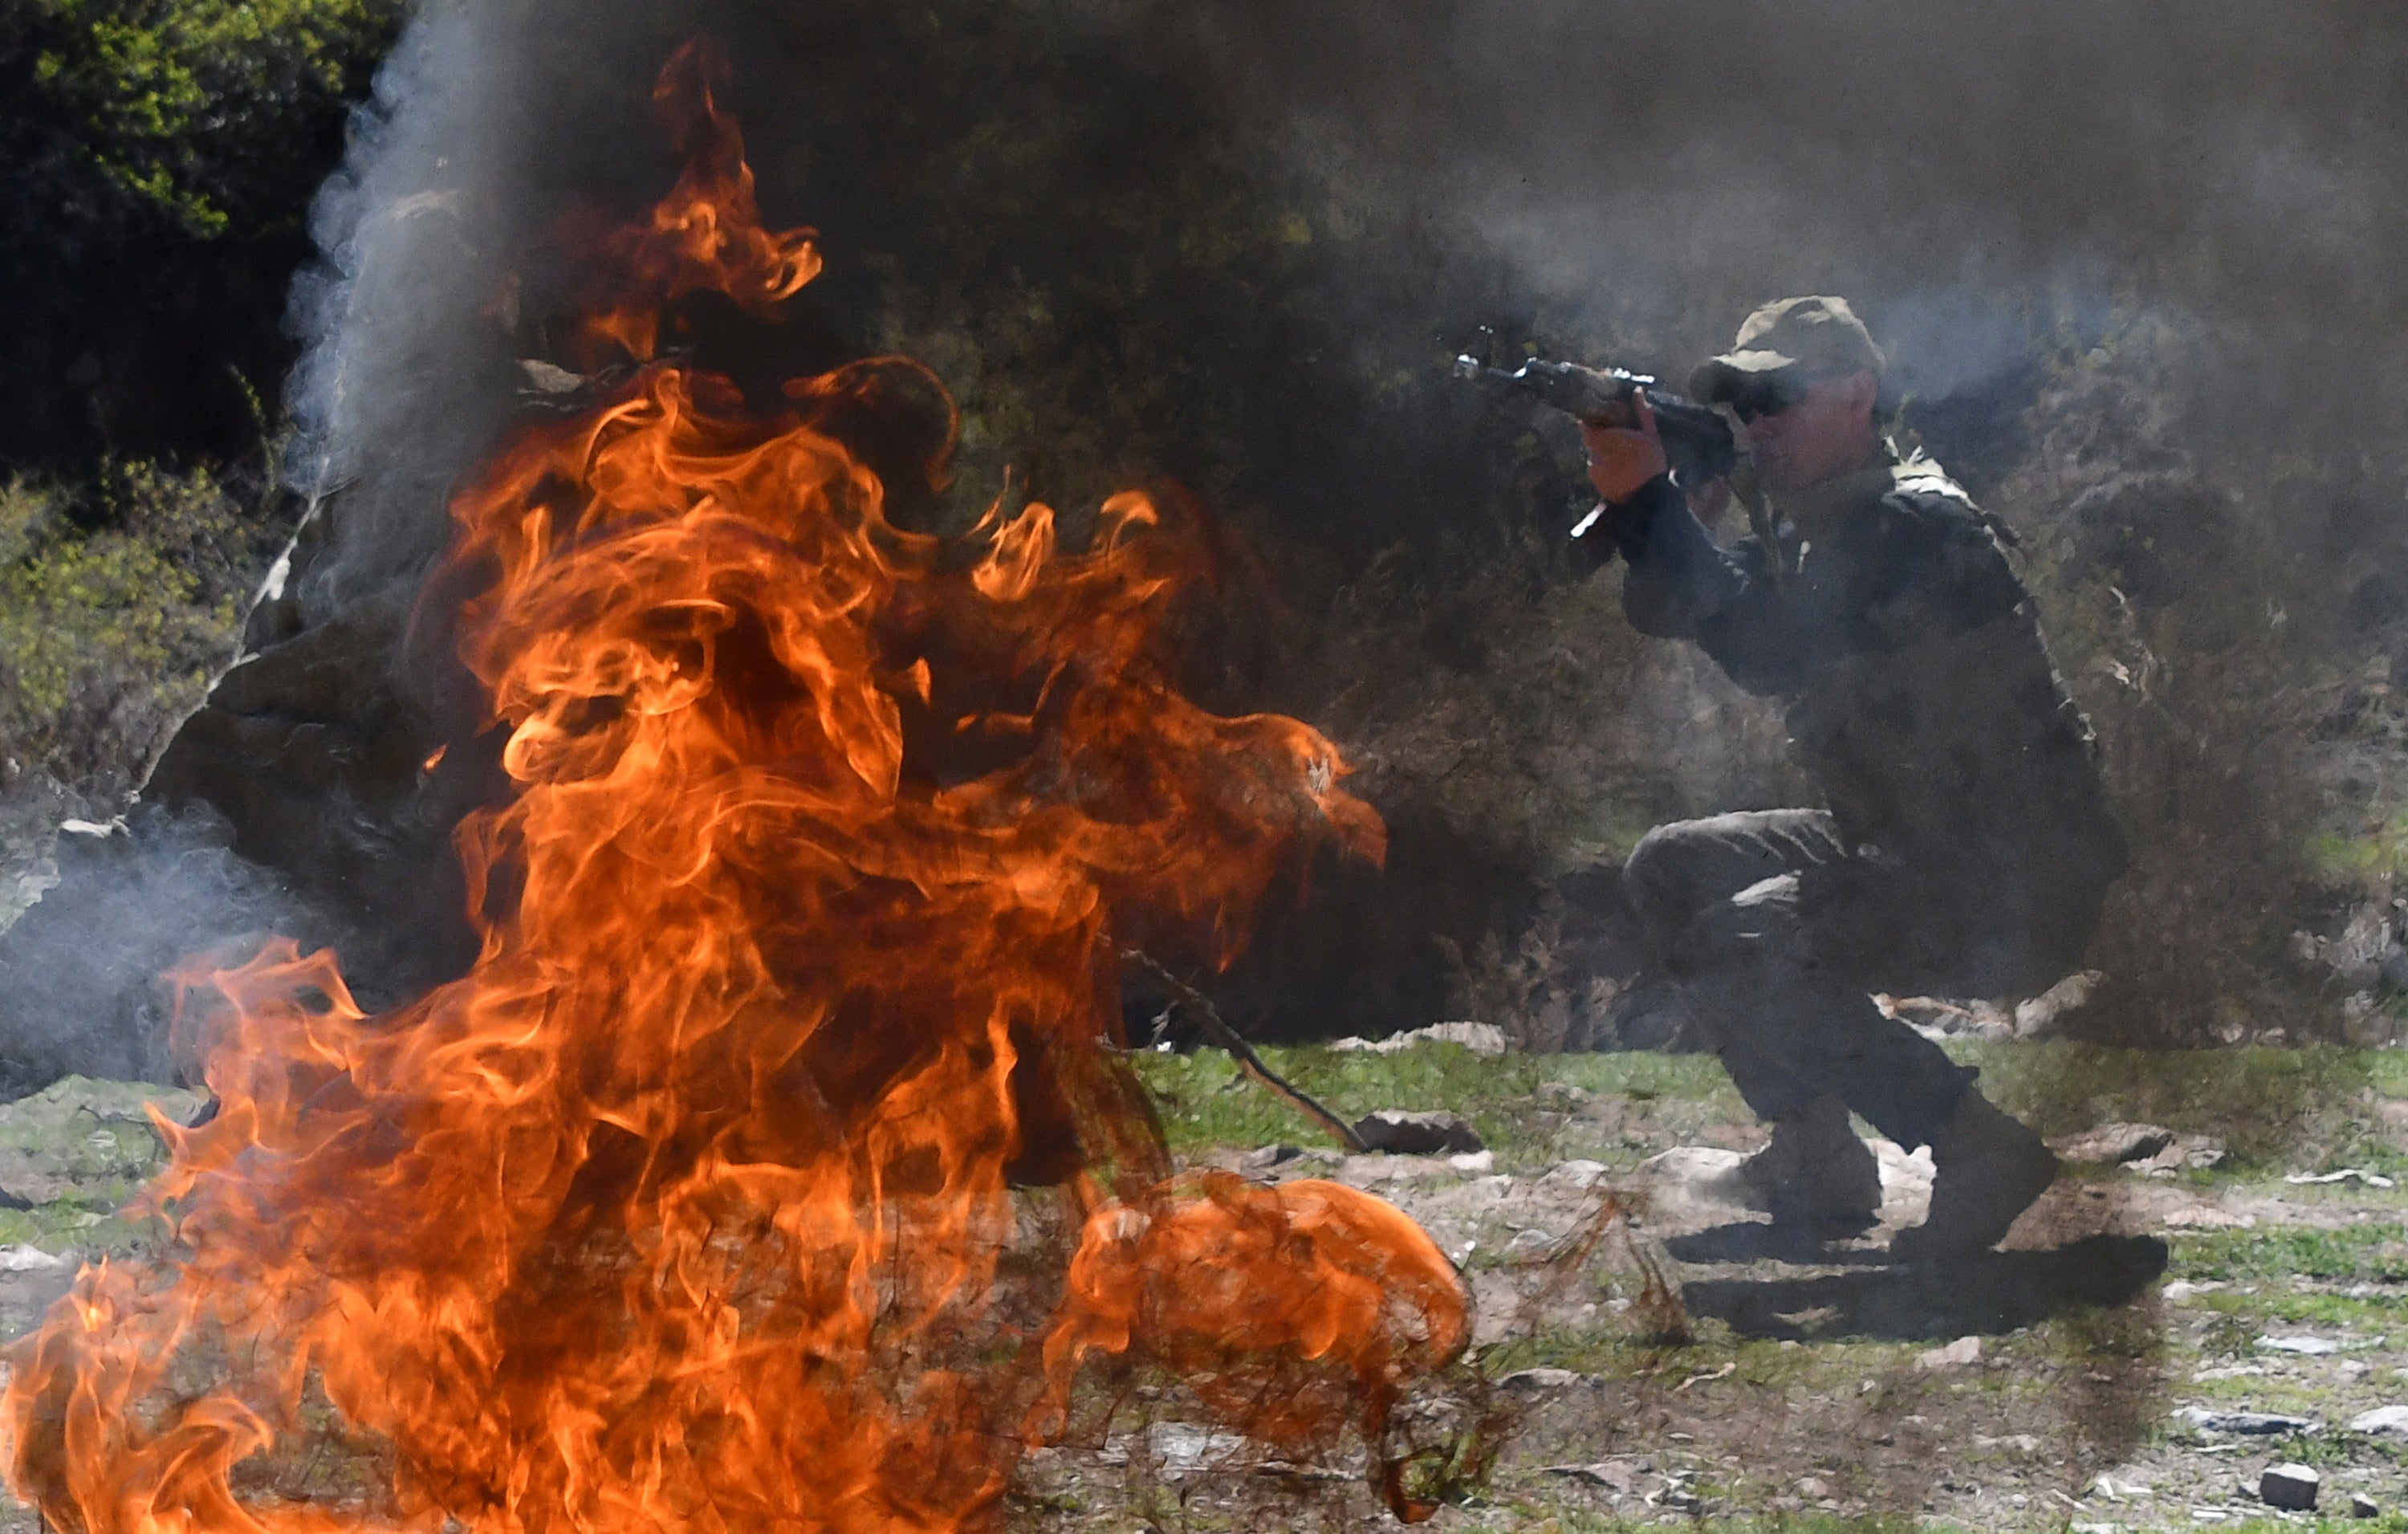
1827	432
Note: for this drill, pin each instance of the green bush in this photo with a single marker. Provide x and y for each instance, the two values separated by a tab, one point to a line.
112	623
189	105
157	163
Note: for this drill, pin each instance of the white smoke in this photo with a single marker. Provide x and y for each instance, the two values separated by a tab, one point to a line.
405	374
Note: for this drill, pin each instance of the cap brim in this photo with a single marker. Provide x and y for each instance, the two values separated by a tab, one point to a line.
1719	379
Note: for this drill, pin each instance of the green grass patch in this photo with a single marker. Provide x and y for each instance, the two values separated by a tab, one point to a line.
1621	1350
2273	1109
1645	1075
2378	852
2371	1316
2388	1069
2370	1253
2264	1104
1569	1521
70	1225
1208	1102
2389	1523
2328	1450
2267	1393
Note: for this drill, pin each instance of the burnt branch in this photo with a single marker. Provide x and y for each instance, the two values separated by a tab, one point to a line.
1208	1017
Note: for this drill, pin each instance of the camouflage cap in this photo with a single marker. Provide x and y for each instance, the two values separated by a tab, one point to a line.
1820	335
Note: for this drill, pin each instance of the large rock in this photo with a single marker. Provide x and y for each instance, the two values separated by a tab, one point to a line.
344	761
2387	1421
307	798
85	1139
2249	1423
81	987
2292	1487
1479	1038
1692	1186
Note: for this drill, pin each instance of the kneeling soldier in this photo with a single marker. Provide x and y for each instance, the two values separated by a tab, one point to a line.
1966	845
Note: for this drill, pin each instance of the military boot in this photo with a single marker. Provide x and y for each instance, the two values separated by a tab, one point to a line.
1988	1168
1815	1175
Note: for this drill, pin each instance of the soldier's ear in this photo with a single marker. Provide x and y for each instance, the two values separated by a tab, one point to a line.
1864	392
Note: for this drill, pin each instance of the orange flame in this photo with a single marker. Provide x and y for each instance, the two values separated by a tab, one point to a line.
705	237
1203	1280
692	1204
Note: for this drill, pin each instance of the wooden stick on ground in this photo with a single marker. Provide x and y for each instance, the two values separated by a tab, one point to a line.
1208	1018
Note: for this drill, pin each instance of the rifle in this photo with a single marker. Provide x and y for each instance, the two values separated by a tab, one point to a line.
1698	441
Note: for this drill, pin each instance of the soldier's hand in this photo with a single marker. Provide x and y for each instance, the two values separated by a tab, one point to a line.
1623	458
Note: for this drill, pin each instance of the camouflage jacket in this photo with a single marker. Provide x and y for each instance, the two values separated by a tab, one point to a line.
1921	699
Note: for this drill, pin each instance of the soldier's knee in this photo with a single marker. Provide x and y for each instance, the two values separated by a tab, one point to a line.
1652	876
1665	853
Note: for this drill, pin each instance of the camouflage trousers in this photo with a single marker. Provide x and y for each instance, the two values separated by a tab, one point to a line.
1776	931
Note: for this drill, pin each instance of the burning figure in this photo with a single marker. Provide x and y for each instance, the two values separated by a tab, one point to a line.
691	1204
1968	844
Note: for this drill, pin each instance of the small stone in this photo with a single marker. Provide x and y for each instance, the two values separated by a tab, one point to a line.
1812	1488
1529	1245
27	1259
1611	1474
1267	1158
2373	1180
2292	1487
1574	1174
2313	1347
2206	1217
1532	1381
2363	1506
2248	1424
2181	1290
546	379
1956	1354
2018	1445
1179	1447
2112	1144
1402	1133
1485	1038
1700	1174
2389	1421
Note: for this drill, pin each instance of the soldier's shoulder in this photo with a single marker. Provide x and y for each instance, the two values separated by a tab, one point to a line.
1926	498
1918	484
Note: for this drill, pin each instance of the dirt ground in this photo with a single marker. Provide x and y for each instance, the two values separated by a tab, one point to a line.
2152	1336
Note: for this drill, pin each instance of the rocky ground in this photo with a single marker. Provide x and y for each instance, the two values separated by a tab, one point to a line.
2156	1335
